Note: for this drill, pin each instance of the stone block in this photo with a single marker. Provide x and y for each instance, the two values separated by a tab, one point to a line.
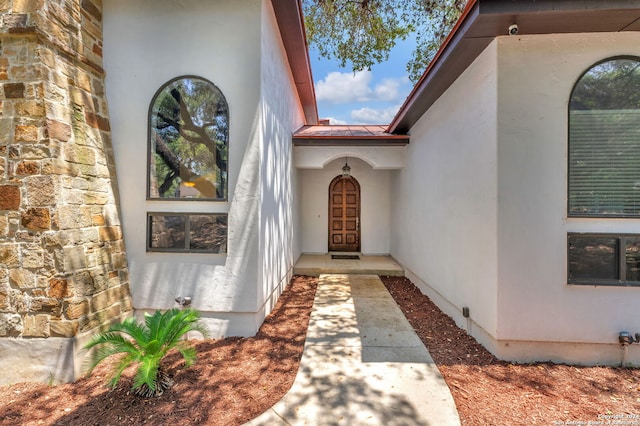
9	255
14	20
80	154
6	128
11	325
32	257
77	310
91	9
119	260
97	121
4	68
27	168
82	284
26	6
30	109
106	299
110	233
55	166
13	90
97	320
46	305
59	288
4	226
26	133
40	191
36	326
35	152
13	152
58	130
73	217
36	219
97	220
74	258
96	198
22	279
62	328
100	280
9	197
111	215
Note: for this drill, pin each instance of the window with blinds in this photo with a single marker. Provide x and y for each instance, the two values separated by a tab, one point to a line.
604	141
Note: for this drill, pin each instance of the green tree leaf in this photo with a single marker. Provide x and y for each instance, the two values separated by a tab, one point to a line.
363	32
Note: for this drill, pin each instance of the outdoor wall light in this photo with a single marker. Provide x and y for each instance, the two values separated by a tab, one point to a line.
346	170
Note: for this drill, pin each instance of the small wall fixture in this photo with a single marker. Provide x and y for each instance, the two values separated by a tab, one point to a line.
513	29
183	301
346	170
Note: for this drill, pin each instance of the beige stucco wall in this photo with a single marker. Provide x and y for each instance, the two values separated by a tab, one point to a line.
444	212
482	220
536	77
280	114
148	43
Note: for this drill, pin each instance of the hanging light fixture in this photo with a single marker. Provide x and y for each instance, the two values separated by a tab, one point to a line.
346	170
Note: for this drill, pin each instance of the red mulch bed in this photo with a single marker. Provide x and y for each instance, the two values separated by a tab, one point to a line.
236	379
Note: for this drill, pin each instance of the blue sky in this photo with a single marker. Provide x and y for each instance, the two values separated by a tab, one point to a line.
366	97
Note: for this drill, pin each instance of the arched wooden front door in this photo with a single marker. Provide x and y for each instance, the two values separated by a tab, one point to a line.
344	214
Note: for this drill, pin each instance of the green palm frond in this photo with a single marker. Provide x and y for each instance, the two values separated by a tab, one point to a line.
147	373
146	344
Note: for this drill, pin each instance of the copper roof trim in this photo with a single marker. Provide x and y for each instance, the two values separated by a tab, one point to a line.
291	24
347	135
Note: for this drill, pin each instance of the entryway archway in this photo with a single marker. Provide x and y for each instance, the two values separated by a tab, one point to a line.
344	214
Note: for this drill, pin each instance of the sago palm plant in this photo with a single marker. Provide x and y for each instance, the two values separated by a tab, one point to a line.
146	345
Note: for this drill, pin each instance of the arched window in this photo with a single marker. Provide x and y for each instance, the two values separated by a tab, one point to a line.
604	141
188	141
188	157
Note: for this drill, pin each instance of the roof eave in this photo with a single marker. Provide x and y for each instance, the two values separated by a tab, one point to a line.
484	20
291	24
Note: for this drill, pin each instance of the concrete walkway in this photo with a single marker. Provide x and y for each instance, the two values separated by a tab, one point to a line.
362	364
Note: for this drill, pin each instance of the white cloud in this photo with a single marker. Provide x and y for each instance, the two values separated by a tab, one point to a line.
346	87
342	87
374	116
335	121
389	89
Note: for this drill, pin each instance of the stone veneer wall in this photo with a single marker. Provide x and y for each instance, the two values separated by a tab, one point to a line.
63	268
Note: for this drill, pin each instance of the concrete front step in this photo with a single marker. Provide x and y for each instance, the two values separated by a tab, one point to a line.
316	264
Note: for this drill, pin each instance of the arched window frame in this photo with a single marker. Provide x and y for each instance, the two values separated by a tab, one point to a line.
194	230
573	159
186	178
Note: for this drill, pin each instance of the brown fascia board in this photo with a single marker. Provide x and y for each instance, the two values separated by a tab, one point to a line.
291	24
483	20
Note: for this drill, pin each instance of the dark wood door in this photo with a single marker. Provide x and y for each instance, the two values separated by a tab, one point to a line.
344	214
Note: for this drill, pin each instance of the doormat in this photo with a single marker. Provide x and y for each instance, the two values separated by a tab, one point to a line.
345	256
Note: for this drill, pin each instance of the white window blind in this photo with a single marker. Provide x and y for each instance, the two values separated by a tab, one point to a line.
604	162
